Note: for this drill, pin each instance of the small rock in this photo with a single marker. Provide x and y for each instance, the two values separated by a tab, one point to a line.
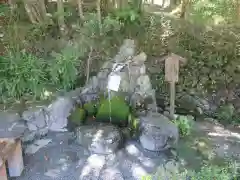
33	148
111	174
92	168
29	136
172	166
43	131
144	86
32	127
99	139
139	59
58	113
53	173
156	131
36	118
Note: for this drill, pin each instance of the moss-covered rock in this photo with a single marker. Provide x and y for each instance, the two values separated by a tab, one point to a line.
119	111
91	108
77	117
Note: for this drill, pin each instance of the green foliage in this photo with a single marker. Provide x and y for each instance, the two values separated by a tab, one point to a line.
133	124
64	67
22	73
184	125
225	113
207	172
213	57
77	117
4	9
91	27
213	12
128	15
117	109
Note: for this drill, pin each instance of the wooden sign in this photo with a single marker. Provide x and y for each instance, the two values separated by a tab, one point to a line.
171	76
171	69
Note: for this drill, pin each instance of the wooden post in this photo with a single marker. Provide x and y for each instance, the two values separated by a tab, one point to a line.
172	99
80	9
171	76
3	172
15	161
99	16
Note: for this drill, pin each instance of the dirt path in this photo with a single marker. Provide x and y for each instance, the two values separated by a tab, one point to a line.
225	141
210	142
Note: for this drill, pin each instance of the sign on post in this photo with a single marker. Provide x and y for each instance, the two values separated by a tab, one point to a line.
172	76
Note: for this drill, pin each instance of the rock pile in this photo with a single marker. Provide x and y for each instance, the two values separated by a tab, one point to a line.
135	86
135	83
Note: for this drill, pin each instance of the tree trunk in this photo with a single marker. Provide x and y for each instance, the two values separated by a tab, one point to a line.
36	11
181	9
60	11
238	9
184	4
80	9
99	14
12	5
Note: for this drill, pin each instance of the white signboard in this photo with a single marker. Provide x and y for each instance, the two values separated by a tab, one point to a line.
114	82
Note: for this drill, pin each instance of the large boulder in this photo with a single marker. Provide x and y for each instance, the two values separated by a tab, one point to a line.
158	133
99	138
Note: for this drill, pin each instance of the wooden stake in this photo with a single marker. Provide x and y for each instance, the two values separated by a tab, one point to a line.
15	161
99	14
172	99
80	9
3	172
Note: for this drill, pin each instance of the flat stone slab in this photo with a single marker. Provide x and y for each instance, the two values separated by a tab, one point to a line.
10	126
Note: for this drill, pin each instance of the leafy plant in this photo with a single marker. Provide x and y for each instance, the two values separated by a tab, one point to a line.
64	67
128	15
184	125
207	172
22	73
4	9
225	113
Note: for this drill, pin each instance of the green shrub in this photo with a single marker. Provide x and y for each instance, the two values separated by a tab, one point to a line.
64	67
207	172
22	73
133	125
4	9
225	113
117	109
184	125
213	57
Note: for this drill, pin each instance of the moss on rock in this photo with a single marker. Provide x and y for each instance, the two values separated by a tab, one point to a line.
77	117
119	111
90	108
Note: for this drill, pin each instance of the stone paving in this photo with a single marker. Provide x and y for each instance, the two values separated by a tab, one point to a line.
64	159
